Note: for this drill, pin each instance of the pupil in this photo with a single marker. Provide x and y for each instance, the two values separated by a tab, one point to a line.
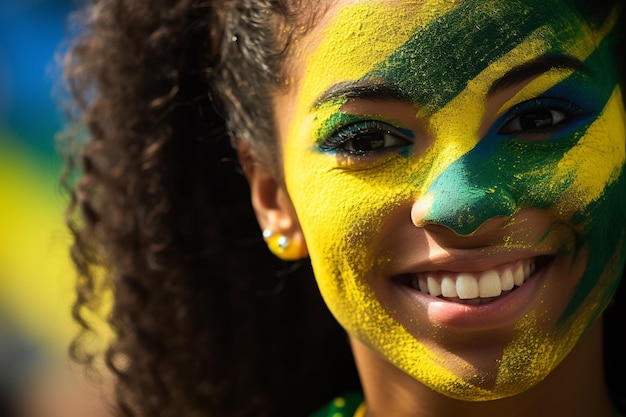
536	119
368	142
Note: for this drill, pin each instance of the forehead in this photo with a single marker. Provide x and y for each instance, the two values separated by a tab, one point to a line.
429	49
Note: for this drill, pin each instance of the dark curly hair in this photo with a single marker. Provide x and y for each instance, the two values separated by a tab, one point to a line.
206	321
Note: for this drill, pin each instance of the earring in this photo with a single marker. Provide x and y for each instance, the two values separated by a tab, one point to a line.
281	246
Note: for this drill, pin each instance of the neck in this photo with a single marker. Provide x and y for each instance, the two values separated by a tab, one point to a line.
576	388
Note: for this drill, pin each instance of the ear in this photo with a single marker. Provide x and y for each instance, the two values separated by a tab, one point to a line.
273	207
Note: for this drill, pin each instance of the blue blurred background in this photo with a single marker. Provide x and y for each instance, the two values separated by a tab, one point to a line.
36	277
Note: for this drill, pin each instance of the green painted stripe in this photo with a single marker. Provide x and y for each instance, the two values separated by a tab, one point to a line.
429	72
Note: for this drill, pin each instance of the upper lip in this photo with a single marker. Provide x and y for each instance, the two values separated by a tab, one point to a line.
495	244
466	262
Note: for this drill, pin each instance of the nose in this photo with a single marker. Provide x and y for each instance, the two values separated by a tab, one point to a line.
462	200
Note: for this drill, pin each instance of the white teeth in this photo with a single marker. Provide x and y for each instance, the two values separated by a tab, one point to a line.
422	284
448	287
490	285
506	280
434	287
518	274
469	286
466	286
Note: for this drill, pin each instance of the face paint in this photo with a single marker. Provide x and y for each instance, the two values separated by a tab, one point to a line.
477	111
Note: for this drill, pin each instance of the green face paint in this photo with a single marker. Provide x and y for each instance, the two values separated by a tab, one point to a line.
503	122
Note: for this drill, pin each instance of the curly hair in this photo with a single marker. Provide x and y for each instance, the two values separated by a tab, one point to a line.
206	321
203	314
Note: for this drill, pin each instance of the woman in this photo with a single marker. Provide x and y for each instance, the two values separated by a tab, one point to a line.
453	171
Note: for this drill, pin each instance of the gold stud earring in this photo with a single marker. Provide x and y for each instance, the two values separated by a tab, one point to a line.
281	246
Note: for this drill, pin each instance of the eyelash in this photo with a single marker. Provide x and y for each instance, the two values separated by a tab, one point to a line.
346	139
545	115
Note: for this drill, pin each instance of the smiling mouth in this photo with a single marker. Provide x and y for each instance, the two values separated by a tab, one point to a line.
473	287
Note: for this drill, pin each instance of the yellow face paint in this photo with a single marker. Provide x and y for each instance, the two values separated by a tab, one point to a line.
416	82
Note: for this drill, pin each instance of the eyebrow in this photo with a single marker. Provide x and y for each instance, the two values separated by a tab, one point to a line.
380	91
533	68
364	90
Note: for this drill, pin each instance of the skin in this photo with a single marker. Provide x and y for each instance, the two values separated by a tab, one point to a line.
458	187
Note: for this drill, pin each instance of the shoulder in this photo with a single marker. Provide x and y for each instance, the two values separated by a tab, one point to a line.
342	406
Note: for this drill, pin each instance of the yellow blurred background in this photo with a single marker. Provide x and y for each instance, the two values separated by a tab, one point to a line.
36	276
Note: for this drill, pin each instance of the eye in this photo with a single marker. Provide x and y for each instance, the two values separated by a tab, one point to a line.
539	116
367	137
538	119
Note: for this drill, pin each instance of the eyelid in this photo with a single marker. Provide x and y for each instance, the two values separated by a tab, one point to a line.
571	110
339	137
536	87
335	121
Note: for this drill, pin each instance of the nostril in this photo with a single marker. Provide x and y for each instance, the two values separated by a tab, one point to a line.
439	229
494	232
484	232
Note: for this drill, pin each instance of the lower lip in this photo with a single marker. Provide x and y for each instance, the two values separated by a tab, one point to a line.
503	311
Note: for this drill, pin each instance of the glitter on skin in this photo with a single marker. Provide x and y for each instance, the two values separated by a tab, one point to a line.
546	354
362	194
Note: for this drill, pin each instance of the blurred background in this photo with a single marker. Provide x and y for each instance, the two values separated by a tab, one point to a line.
36	277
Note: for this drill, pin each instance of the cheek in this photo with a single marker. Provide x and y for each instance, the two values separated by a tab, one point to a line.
584	189
597	203
593	167
341	211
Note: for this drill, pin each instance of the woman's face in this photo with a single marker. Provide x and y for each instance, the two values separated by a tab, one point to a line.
456	168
